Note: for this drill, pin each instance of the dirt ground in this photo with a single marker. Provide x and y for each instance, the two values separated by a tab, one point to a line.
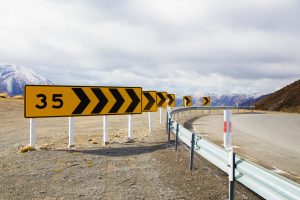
145	168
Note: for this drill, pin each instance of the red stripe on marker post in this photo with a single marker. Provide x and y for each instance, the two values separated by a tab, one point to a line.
227	129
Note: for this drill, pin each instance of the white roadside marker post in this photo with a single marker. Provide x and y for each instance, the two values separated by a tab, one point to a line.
227	129
149	121
105	129
129	126
32	133
71	132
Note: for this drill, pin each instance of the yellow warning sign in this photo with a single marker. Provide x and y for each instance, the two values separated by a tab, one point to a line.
59	101
206	101
149	101
187	101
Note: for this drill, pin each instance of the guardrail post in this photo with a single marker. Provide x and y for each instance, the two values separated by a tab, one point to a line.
169	129
192	152
231	174
176	138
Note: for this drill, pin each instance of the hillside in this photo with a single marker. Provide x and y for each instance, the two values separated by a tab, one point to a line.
253	101
286	99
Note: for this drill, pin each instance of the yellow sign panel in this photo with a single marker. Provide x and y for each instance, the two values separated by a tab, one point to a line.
171	100
206	101
187	101
149	101
63	101
162	99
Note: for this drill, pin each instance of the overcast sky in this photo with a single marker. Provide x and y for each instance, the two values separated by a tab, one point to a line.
185	47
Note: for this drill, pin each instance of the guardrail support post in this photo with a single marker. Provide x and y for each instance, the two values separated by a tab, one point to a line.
231	174
169	130
176	138
32	133
192	152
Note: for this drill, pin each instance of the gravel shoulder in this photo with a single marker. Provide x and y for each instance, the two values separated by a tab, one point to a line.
145	168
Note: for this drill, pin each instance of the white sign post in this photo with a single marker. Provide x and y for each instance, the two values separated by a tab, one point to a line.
130	126
105	129
227	129
160	115
71	132
149	122
32	133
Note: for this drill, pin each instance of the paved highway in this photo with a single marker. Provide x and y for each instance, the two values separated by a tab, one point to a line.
271	140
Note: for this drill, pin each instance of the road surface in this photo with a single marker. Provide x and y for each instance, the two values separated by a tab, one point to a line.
271	140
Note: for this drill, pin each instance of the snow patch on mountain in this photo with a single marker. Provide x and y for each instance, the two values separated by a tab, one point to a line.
14	78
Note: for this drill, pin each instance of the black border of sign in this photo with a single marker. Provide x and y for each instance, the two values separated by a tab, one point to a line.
80	87
155	100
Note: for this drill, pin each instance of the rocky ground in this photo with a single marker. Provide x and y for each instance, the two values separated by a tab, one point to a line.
144	168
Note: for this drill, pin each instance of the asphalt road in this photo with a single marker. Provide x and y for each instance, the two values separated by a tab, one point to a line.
271	140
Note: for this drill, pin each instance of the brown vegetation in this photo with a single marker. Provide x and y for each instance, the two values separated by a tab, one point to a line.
286	99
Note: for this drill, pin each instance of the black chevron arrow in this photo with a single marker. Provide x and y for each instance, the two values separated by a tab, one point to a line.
151	101
171	100
102	100
187	101
84	101
135	100
162	99
119	101
206	101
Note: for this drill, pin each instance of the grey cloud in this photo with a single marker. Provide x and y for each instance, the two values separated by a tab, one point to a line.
169	45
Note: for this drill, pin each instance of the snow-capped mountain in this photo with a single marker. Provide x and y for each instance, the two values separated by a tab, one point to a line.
13	78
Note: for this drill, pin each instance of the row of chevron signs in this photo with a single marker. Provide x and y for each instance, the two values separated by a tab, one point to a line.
63	101
187	101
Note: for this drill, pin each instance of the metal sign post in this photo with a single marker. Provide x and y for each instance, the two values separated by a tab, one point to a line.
71	132
130	126
105	130
160	115
32	133
149	122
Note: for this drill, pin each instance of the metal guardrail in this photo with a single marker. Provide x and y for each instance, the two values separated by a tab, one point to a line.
258	179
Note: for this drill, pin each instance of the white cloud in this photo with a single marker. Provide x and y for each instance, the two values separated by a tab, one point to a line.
180	46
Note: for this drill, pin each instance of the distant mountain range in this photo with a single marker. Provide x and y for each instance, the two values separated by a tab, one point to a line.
14	78
286	99
226	100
